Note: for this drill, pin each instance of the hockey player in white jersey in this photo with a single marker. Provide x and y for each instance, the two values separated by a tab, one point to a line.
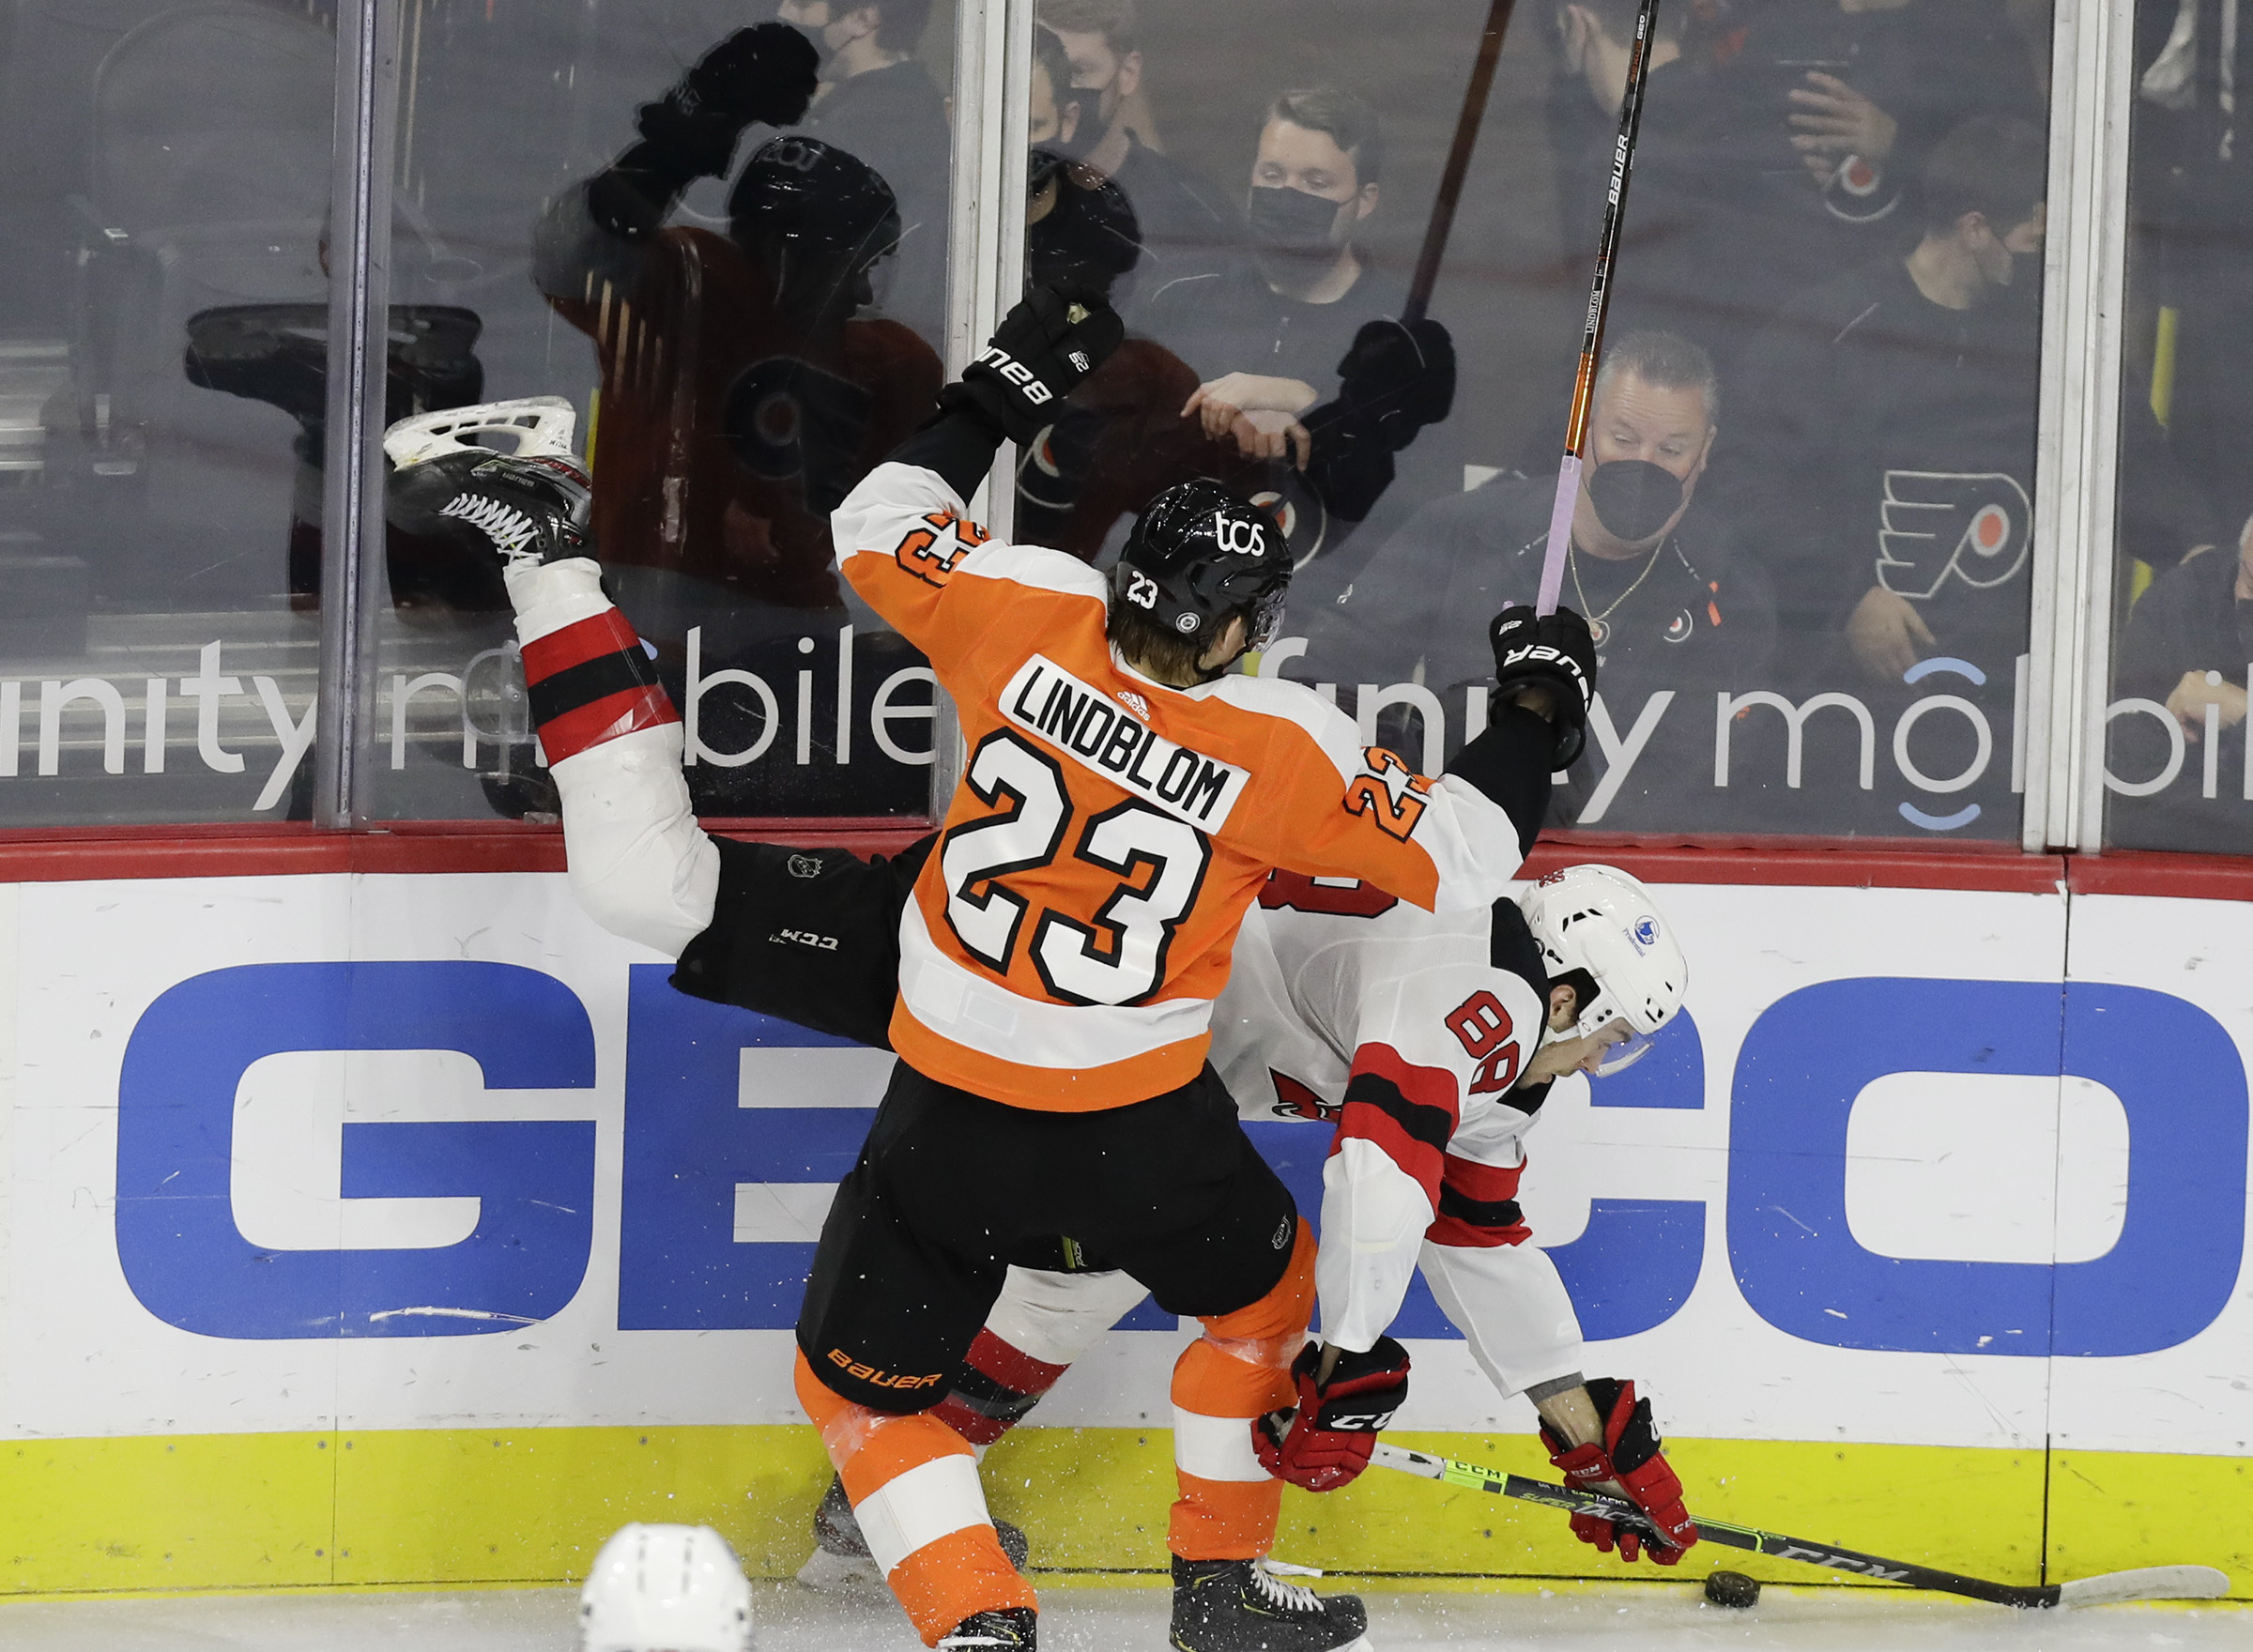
1433	1043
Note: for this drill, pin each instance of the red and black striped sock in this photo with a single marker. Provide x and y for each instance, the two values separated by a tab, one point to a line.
593	681
998	1384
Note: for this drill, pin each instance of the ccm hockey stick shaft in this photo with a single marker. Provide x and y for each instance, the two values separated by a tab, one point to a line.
2153	1582
1599	305
1459	162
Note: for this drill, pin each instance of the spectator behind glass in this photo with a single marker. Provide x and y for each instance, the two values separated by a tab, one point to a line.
1773	152
1886	474
1692	260
1122	436
1270	337
1674	612
876	103
1188	226
743	392
2186	647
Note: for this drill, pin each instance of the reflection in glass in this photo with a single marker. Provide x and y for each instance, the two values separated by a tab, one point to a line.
2175	754
723	242
162	362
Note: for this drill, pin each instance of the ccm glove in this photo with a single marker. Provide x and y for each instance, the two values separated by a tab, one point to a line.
1556	652
1337	1422
1629	1457
1054	338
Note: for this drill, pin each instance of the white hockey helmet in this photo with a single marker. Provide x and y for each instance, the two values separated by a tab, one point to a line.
1603	921
665	1588
530	427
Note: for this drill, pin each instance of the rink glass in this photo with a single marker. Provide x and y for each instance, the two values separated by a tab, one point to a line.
2175	727
162	359
1829	638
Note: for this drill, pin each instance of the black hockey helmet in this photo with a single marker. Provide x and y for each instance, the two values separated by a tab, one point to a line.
1199	553
815	194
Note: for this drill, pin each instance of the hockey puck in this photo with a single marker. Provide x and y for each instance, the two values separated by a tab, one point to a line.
1732	1588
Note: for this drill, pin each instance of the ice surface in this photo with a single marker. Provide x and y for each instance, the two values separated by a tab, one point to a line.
1628	1618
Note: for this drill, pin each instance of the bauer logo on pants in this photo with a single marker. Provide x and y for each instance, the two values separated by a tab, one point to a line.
1043	698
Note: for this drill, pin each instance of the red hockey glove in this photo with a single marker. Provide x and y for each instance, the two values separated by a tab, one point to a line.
1337	1421
1629	1456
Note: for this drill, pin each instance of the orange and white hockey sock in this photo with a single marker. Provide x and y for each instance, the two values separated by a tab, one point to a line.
592	680
914	1485
1239	1369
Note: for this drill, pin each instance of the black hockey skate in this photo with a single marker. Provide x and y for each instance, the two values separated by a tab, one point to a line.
527	509
841	1561
1246	1606
1009	1629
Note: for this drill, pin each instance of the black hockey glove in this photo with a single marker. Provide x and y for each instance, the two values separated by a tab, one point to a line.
1557	653
1403	373
1054	338
767	73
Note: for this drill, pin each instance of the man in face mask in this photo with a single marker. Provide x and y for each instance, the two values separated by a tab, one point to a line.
1672	613
1896	412
1188	226
1268	339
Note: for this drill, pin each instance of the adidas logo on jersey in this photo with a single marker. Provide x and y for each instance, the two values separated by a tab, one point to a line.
1045	699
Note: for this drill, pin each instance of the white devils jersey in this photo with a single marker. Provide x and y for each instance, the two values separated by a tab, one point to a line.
1346	1004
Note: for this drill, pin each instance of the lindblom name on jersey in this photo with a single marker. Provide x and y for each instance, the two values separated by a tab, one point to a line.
1043	698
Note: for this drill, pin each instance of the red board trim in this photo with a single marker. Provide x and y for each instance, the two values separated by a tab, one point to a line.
95	854
91	854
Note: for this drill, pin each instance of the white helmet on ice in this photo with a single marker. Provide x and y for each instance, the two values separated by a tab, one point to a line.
530	427
665	1589
1603	921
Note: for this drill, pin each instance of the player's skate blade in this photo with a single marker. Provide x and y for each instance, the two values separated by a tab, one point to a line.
1245	1606
841	1564
1010	1630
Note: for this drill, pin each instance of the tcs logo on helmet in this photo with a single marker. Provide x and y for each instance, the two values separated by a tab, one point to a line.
1238	537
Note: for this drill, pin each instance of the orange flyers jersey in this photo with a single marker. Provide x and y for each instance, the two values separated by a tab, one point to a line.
1065	941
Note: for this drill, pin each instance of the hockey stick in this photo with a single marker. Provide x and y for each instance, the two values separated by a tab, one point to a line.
1600	304
1459	164
2151	1583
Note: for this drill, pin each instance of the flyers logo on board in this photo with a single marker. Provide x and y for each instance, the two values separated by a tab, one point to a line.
919	555
1932	524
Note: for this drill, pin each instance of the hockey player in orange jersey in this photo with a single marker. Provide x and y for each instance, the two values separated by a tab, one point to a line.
1059	951
1124	799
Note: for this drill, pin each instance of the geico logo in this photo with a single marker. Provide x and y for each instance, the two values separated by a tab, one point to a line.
714	1100
876	1378
805	938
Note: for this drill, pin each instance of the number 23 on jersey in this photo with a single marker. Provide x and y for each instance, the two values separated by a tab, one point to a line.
1140	870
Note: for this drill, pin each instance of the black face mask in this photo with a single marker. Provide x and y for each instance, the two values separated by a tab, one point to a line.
1291	221
1634	499
1044	163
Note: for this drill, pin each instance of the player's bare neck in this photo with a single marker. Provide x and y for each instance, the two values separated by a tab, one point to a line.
1158	675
